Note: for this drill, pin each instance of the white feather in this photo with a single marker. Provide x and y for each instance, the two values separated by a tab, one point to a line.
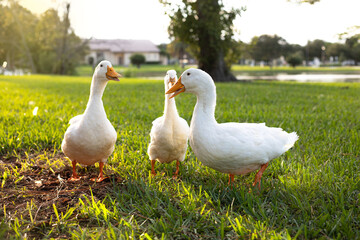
169	133
234	148
91	138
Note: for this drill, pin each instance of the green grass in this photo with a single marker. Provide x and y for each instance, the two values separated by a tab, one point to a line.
310	192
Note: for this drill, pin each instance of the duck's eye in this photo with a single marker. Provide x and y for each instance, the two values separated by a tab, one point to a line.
188	74
101	65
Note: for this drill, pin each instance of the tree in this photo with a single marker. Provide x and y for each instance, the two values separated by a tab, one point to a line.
180	51
267	48
337	51
16	27
64	42
305	1
137	59
295	59
234	53
46	41
316	48
289	49
207	28
51	54
28	41
352	45
163	51
177	49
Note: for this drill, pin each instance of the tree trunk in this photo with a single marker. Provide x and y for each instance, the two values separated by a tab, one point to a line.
63	59
218	70
211	57
9	59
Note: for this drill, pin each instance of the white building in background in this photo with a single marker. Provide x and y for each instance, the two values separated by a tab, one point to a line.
119	51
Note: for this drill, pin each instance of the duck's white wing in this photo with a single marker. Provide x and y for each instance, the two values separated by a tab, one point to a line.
159	144
158	120
71	132
76	119
276	137
255	140
183	136
168	140
238	148
184	126
156	126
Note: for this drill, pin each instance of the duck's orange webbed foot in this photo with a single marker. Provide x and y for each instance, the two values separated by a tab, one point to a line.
74	176
101	177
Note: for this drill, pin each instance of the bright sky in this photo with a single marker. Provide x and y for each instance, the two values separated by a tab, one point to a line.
146	19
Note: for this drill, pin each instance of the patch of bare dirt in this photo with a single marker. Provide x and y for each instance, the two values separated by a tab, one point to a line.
40	186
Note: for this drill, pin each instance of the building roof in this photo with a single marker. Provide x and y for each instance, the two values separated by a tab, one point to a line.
122	45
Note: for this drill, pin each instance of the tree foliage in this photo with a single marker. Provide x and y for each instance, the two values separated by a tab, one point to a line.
32	42
163	50
16	31
178	49
352	45
338	50
207	28
267	48
234	53
305	1
315	48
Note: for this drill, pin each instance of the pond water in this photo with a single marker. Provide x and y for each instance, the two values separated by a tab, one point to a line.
304	77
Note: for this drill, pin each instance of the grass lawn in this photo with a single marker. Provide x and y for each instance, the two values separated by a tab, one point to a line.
310	192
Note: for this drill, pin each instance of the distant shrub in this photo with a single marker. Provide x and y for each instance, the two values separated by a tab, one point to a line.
295	59
137	59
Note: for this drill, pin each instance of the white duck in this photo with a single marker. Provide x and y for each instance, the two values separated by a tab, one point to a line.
169	133
233	148
90	137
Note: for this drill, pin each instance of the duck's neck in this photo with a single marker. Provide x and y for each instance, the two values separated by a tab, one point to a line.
170	110
95	100
204	111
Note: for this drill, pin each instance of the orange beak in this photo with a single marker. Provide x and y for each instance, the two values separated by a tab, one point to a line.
176	89
112	75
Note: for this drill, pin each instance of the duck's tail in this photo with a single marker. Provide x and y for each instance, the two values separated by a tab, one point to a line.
292	138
